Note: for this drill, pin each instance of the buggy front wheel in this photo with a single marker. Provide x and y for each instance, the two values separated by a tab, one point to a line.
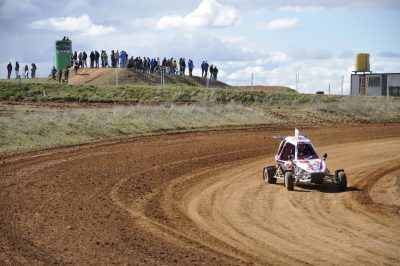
289	181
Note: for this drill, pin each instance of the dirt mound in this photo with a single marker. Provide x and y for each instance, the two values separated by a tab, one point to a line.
113	76
199	198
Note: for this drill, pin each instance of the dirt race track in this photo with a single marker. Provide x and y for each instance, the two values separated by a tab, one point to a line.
199	198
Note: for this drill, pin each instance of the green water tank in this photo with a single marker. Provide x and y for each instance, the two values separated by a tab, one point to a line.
63	54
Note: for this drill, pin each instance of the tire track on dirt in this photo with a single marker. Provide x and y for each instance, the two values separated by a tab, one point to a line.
198	198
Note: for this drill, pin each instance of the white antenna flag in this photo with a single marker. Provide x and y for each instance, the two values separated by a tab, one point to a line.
296	132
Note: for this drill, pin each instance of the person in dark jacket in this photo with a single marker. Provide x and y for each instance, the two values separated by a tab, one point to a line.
33	70
215	72
66	74
84	59
59	75
96	58
91	56
17	76
53	73
9	70
205	69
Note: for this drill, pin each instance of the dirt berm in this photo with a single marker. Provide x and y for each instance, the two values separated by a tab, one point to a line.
199	198
113	76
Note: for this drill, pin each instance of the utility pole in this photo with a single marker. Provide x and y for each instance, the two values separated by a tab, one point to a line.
297	82
252	80
342	83
329	89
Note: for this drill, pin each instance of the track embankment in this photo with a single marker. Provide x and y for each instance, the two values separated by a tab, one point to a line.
199	198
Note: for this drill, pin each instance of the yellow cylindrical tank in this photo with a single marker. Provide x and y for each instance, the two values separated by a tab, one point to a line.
362	62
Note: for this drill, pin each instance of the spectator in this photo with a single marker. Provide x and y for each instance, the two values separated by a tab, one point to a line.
59	75
76	67
123	56
211	71
66	74
215	72
116	57
96	58
33	70
53	73
80	59
112	56
84	59
9	70
17	76
191	66
26	71
203	68
75	57
183	66
104	58
91	56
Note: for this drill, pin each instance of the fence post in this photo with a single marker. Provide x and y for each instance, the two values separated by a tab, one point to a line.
116	78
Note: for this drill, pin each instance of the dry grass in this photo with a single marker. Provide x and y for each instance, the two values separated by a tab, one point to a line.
29	128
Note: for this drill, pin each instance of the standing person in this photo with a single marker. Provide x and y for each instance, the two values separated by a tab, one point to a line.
205	69
112	56
80	58
26	71
84	59
9	70
96	58
191	66
75	57
53	73
183	66
91	56
76	67
33	70
116	57
104	57
59	75
123	57
211	71
215	72
202	69
66	74
17	76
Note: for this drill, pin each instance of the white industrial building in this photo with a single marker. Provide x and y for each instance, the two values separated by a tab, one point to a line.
375	84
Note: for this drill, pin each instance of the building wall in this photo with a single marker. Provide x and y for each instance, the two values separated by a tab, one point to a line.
355	85
393	84
374	85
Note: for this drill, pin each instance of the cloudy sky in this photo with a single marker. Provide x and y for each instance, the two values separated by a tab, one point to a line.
273	40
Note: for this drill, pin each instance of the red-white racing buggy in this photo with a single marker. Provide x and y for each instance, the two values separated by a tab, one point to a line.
298	163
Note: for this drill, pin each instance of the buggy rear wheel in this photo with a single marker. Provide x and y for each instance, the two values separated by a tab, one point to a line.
269	174
289	181
342	181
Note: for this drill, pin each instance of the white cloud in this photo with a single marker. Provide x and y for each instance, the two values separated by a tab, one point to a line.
11	9
209	13
279	24
82	24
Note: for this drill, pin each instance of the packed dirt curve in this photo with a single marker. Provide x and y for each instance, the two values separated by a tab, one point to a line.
199	198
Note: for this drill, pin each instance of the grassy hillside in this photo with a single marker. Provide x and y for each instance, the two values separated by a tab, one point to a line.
41	92
154	109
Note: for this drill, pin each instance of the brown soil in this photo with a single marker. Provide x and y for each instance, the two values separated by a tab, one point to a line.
108	76
199	198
